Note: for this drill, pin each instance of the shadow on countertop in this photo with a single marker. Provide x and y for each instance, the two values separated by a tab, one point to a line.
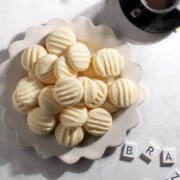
109	12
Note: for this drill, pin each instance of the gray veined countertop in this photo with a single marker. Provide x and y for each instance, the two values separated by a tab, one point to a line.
160	113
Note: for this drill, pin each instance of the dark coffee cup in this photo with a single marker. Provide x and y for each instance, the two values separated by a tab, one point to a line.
154	6
155	16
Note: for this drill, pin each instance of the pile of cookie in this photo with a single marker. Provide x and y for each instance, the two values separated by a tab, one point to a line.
69	90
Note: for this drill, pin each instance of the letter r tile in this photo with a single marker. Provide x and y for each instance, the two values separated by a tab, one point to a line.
149	152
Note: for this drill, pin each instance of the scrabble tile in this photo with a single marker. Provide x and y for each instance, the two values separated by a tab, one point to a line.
149	152
129	150
174	175
169	156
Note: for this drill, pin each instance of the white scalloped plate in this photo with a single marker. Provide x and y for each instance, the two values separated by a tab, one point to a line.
96	37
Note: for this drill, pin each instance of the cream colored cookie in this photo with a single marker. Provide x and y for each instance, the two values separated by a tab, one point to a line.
123	93
101	94
90	90
47	101
98	122
31	55
109	106
108	62
79	56
45	69
19	106
90	73
68	137
68	91
40	123
73	117
62	69
59	40
27	91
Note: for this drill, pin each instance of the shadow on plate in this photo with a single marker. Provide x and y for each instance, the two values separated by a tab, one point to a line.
4	54
110	13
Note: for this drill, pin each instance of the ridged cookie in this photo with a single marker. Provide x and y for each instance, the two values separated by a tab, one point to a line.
79	56
47	102
19	106
90	73
109	106
68	137
108	62
68	91
40	123
123	93
101	94
31	55
98	122
45	69
62	68
73	117
27	91
59	40
90	90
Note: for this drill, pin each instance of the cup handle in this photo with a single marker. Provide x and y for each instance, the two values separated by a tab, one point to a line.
137	11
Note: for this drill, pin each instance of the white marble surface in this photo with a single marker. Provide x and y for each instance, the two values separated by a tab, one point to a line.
159	114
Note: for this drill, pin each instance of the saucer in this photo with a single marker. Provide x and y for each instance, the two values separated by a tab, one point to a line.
150	22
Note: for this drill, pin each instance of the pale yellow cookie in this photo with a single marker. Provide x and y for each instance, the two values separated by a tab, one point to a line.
68	137
108	62
68	91
98	122
19	106
45	69
90	90
90	73
40	123
31	55
63	69
109	106
123	93
101	94
59	40
73	117
79	56
27	91
47	101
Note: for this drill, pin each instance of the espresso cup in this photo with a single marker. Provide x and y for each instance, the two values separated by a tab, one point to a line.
145	5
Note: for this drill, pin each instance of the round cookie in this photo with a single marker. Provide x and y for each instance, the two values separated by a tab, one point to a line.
98	122
47	102
19	106
122	93
68	137
45	69
79	56
109	106
63	69
101	94
90	73
90	90
31	55
40	123
68	91
27	91
59	40
108	62
73	117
